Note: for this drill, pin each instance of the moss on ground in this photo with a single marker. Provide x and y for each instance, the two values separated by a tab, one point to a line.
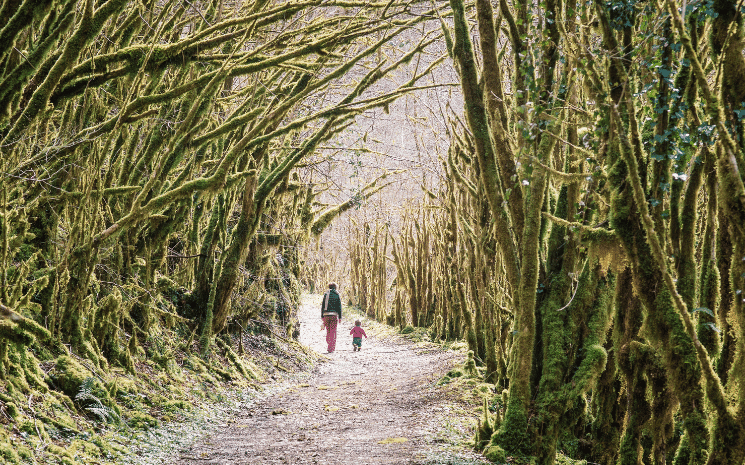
9	454
141	420
76	411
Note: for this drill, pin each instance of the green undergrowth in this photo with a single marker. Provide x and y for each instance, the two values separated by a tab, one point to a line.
66	409
468	381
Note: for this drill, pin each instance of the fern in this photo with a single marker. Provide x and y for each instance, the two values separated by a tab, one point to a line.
88	401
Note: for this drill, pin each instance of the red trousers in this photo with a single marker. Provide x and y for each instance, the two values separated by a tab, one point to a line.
330	322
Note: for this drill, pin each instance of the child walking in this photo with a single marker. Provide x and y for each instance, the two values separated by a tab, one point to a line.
357	332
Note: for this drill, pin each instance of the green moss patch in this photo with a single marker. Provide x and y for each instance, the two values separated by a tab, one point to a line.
9	454
141	420
69	375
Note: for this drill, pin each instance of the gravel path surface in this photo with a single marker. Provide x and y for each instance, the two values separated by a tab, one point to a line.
380	405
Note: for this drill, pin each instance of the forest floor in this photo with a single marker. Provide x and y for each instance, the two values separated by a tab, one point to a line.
381	405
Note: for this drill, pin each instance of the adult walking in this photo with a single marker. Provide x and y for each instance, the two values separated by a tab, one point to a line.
331	315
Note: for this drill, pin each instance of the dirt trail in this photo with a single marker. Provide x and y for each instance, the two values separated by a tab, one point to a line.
377	406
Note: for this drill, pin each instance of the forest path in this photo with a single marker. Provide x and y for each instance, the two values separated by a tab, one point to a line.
381	405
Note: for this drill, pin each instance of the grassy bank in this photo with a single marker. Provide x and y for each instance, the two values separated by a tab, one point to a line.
73	412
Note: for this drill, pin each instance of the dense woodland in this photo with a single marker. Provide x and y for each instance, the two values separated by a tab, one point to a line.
586	233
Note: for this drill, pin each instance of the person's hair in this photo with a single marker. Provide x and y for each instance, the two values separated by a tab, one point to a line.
332	285
358	323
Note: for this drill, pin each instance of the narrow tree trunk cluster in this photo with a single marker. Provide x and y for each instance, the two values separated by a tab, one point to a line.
588	237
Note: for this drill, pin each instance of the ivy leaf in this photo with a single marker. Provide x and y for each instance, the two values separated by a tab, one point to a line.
704	310
712	326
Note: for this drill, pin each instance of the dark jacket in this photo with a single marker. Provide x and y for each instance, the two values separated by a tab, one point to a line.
334	302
